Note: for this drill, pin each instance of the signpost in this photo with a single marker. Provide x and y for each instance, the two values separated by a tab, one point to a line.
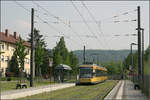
50	66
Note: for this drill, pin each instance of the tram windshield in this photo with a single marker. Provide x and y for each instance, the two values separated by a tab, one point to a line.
86	72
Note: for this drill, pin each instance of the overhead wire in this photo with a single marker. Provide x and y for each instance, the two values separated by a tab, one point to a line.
51	26
94	19
89	28
125	13
59	19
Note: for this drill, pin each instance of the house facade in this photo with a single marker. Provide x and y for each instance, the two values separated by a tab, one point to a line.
7	46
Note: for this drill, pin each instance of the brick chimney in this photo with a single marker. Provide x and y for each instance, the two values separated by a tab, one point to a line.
15	35
7	32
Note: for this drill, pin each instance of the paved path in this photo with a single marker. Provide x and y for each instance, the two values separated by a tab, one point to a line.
124	90
14	94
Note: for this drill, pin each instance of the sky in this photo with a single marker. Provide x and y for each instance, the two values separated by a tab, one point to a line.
94	24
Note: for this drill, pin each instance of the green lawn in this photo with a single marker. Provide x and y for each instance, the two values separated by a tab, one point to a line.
88	92
10	85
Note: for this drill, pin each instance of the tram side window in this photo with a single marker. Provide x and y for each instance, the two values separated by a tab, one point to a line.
105	74
100	73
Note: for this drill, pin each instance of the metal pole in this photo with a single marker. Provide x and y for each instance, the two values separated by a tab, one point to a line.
139	45
50	73
32	50
97	59
142	56
131	55
0	58
84	55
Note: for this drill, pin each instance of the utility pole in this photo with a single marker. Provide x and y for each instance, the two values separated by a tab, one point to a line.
32	50
98	60
84	54
142	56
131	55
139	45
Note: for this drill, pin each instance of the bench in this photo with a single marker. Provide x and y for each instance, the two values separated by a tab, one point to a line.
21	85
136	86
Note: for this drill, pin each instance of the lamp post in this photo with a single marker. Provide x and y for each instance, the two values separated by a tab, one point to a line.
132	57
50	68
131	52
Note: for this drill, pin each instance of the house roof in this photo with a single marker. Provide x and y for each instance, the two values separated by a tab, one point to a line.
12	39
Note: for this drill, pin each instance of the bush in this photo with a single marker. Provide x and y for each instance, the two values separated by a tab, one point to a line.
9	79
4	79
28	78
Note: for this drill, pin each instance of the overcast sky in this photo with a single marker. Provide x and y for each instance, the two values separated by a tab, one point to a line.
65	18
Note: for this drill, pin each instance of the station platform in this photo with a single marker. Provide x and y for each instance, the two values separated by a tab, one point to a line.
124	90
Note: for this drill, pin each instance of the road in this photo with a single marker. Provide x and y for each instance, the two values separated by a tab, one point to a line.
14	94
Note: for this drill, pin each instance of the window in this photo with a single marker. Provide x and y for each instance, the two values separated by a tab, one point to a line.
13	49
7	59
2	58
7	47
2	46
86	72
27	50
6	70
26	60
100	73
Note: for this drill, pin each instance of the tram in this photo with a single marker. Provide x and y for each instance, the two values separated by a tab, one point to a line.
92	74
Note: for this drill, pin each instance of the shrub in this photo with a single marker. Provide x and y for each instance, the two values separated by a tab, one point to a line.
4	79
9	79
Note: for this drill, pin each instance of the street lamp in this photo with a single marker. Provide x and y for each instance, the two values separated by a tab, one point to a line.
131	52
132	57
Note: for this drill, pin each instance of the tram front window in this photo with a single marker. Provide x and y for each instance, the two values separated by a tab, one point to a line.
86	72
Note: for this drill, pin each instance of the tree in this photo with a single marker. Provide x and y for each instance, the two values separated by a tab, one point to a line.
39	57
73	62
62	55
57	58
13	66
20	54
40	52
128	61
45	65
37	37
113	67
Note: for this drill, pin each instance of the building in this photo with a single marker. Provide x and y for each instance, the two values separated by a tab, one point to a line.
7	46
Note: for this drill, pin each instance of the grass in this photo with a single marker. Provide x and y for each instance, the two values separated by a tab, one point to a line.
88	92
11	85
